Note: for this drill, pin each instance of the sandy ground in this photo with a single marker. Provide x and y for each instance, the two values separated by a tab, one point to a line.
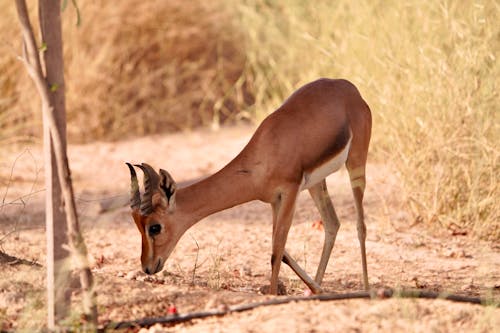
224	259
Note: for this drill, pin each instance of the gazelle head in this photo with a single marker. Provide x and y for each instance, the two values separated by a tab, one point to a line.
154	216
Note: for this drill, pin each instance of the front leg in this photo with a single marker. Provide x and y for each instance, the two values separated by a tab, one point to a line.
313	285
283	210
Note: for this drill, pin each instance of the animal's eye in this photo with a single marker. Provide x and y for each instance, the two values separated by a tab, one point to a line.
154	229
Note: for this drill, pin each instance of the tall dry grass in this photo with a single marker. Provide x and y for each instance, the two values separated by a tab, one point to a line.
428	69
132	68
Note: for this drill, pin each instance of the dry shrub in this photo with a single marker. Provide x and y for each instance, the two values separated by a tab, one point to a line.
428	69
134	67
13	122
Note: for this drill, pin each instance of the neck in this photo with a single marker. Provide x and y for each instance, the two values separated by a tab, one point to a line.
228	187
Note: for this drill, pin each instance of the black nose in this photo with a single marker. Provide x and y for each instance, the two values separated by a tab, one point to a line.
147	271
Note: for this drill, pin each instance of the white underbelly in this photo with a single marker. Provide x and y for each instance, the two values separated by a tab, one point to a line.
313	177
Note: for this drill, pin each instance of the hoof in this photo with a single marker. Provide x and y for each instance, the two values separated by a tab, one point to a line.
281	289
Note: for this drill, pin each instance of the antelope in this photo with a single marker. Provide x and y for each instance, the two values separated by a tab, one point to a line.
320	127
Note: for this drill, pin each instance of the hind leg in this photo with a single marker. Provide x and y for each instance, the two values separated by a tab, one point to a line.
358	180
361	123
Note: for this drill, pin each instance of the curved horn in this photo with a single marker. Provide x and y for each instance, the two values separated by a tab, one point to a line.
151	184
135	196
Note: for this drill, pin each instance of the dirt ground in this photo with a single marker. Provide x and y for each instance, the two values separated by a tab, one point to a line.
225	259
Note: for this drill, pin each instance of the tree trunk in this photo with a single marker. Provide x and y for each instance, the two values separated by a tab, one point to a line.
58	265
51	29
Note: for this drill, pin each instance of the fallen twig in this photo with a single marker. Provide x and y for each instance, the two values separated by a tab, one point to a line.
12	261
374	294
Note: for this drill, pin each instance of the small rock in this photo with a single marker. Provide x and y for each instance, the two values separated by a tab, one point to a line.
157	328
211	303
247	271
420	284
148	278
120	274
381	293
132	275
470	286
450	253
281	289
223	307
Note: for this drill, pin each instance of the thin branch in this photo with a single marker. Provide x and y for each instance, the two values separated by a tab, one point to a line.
21	198
30	53
379	294
9	182
22	203
12	260
103	198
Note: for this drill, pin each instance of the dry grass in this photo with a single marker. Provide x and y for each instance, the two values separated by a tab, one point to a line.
429	71
131	69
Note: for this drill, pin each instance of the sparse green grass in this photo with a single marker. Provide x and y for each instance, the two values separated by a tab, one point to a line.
216	271
428	69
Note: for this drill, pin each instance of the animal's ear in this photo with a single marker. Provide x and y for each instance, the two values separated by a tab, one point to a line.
168	187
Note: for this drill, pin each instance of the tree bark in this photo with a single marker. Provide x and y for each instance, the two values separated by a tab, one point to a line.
51	24
58	263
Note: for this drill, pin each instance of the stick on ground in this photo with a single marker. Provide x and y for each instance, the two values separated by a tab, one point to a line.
374	294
